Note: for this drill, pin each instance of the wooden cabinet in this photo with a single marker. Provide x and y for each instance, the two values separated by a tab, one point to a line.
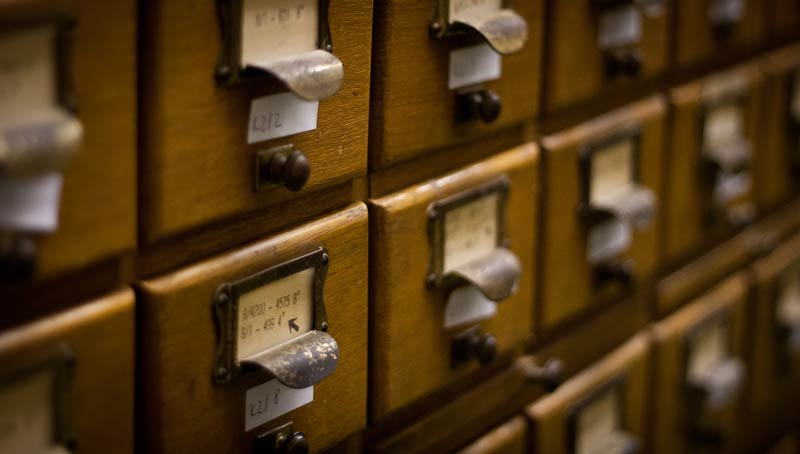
602	193
452	279
600	47
433	92
715	143
511	438
706	30
68	187
67	381
214	143
266	341
602	409
700	372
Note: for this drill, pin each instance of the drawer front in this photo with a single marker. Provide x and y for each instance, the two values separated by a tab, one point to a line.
700	372
510	438
778	165
620	43
264	341
213	146
601	197
67	381
602	409
452	266
454	83
715	143
783	19
68	188
776	330
709	28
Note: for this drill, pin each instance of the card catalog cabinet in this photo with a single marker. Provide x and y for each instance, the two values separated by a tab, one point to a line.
603	47
67	381
700	372
249	103
602	192
267	345
706	29
67	119
714	144
777	169
601	410
452	263
450	71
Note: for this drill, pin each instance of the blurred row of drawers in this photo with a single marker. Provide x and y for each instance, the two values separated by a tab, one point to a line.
395	235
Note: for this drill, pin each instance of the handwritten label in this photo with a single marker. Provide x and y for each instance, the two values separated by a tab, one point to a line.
27	414
273	29
723	11
470	231
466	9
612	170
473	65
30	204
467	305
597	422
280	115
619	27
709	348
266	402
723	126
27	72
275	312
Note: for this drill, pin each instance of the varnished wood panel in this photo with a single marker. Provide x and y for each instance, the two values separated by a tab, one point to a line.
97	217
196	164
567	288
688	228
783	19
100	336
178	342
669	416
575	64
413	111
510	438
775	172
695	42
407	316
550	415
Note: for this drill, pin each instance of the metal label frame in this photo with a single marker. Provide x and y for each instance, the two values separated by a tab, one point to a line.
618	383
586	154
436	220
441	25
229	69
61	361
226	306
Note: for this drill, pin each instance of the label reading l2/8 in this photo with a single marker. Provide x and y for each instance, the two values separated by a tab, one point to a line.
266	402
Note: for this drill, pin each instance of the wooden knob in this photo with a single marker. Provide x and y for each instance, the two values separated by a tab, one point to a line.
486	349
296	444
292	169
626	62
621	271
485	104
17	257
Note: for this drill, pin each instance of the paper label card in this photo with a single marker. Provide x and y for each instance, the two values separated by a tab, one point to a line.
27	71
473	65
467	305
598	421
279	116
266	402
709	347
275	313
471	231
272	29
723	125
27	415
466	9
618	27
30	204
612	170
721	11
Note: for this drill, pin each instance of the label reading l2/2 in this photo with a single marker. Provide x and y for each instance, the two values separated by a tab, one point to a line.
279	116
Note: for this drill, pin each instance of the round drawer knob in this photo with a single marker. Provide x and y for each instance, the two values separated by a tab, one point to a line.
296	444
487	349
486	104
292	169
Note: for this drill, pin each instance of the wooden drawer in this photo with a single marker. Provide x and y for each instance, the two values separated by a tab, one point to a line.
602	409
708	29
69	135
510	438
778	165
584	210
212	360
783	19
452	262
603	47
68	380
203	136
776	330
414	70
714	145
700	372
